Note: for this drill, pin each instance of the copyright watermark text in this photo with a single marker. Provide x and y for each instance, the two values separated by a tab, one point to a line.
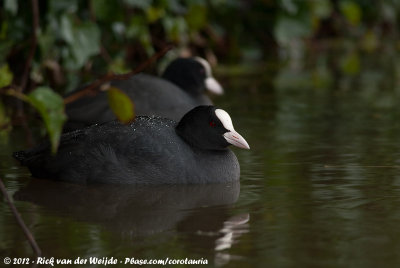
101	261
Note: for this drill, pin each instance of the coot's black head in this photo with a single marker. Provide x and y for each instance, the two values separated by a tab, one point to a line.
209	128
192	75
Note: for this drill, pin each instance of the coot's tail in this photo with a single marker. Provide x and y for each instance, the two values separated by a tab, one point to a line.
34	161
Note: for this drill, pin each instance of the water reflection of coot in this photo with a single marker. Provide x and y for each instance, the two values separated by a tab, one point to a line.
134	210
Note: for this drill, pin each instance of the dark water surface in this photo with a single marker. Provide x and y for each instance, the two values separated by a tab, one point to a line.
320	187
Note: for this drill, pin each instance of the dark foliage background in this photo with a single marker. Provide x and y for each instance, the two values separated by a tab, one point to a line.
65	43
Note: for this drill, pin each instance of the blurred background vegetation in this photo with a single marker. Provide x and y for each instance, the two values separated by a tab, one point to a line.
77	41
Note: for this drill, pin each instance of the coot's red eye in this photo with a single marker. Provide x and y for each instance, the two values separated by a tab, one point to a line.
212	124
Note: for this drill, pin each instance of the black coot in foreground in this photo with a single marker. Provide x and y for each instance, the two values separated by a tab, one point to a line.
151	150
181	88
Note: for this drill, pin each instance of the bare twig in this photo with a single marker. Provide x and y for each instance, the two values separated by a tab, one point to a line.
35	11
14	92
20	221
5	88
93	88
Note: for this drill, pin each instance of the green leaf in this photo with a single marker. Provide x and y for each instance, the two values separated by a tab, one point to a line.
322	9
142	4
63	6
153	14
83	41
351	11
108	11
138	30
6	76
50	105
196	17
121	105
46	42
136	27
86	42
350	64
287	29
176	28
118	66
66	30
11	6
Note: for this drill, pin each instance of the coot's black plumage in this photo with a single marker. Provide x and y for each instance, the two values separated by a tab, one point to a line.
151	150
181	88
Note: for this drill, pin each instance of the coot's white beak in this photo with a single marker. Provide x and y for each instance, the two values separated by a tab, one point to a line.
236	139
231	135
213	86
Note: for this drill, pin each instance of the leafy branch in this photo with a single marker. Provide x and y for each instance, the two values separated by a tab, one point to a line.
49	105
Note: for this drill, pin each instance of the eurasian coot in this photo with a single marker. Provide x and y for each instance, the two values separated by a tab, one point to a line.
151	150
180	89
